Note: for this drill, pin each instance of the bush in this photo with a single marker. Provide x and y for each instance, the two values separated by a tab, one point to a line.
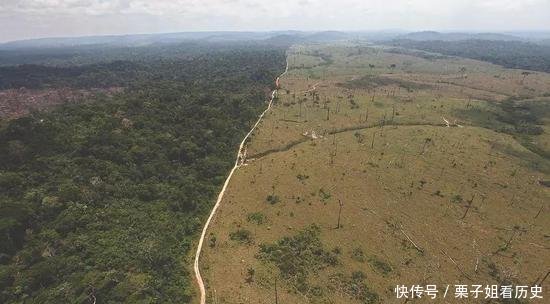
272	199
380	266
302	177
324	195
242	236
257	217
299	256
457	199
358	254
355	287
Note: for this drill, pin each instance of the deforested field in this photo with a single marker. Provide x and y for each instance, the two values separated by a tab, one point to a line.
379	166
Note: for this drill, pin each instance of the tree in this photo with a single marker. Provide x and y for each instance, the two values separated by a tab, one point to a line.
78	178
427	140
339	213
525	74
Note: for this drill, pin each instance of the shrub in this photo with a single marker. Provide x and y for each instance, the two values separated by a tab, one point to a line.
354	287
273	199
212	241
250	275
457	198
358	254
380	266
257	217
299	256
324	195
242	236
302	177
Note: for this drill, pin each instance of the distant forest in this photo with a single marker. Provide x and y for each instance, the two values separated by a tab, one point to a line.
510	54
70	56
130	74
102	200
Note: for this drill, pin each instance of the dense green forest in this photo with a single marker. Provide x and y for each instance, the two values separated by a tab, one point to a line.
128	67
102	200
98	53
78	54
112	74
510	54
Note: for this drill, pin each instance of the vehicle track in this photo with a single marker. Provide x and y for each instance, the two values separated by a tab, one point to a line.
294	143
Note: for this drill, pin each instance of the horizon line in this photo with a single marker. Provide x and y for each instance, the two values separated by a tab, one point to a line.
387	30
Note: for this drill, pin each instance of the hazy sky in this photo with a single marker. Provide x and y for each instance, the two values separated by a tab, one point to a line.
20	19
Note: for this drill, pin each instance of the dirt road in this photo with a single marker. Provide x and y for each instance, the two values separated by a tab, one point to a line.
238	162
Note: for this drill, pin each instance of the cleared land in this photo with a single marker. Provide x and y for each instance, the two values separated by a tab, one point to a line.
362	129
15	103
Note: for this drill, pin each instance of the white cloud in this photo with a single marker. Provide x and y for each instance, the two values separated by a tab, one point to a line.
510	5
30	18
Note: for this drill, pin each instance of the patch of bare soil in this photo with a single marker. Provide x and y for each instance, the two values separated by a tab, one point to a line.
15	103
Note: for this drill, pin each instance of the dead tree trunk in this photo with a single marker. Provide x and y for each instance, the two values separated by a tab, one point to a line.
468	207
507	245
276	293
544	279
339	213
426	141
538	213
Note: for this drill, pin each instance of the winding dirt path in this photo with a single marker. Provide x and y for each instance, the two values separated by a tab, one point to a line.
302	140
241	154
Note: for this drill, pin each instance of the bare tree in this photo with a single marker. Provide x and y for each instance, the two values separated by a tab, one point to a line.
339	213
544	278
426	141
468	207
276	293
